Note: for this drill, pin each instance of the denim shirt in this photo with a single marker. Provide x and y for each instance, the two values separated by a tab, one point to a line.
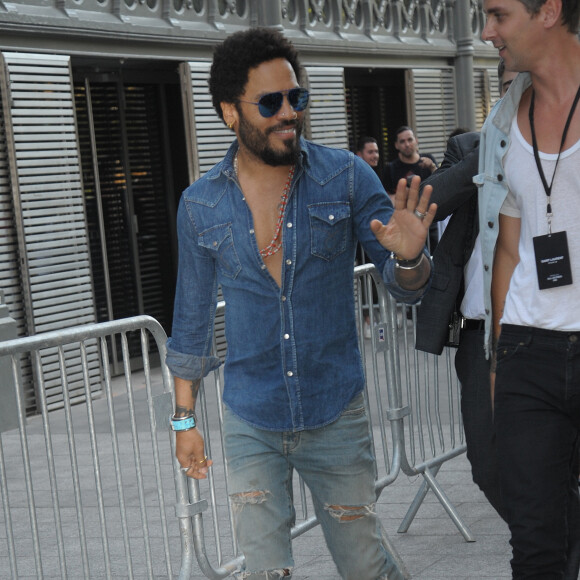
292	360
493	188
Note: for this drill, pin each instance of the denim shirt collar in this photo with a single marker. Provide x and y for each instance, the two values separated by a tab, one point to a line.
510	102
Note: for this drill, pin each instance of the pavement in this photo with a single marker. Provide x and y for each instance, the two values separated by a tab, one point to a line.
432	548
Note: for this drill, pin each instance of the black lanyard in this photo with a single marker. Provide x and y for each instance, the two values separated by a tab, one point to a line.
548	188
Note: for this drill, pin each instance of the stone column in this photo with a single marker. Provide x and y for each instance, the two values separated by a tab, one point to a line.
465	94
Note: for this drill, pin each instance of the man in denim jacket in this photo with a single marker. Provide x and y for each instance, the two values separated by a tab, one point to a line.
531	260
275	224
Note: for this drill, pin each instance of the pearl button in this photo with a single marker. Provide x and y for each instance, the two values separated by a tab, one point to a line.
286	336
289	225
290	373
263	266
252	231
288	262
330	217
283	298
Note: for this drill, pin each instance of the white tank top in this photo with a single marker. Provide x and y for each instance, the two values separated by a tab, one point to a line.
526	304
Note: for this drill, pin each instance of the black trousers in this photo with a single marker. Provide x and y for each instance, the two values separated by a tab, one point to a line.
537	422
473	374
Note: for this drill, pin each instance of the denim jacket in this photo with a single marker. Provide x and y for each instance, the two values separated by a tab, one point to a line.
292	360
494	144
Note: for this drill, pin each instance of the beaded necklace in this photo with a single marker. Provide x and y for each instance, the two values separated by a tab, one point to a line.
276	243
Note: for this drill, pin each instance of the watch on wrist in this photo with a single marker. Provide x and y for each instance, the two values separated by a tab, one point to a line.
183	423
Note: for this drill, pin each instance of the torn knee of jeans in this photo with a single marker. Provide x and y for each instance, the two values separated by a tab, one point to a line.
239	500
344	513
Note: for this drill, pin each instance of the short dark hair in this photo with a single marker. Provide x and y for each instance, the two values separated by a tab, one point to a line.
402	129
362	142
240	52
570	12
458	131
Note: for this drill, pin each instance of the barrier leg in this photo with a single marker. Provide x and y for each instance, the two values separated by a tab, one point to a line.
416	504
431	482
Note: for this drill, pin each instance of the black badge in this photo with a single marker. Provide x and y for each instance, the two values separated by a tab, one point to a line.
552	260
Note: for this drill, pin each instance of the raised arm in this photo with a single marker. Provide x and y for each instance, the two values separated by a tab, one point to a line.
406	233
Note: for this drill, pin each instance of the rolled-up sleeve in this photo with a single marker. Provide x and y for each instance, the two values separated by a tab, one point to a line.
189	366
399	293
189	347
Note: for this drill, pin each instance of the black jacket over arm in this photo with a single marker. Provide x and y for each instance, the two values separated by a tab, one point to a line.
455	194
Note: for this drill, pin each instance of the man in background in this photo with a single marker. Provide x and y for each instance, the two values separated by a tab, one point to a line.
367	149
408	161
407	164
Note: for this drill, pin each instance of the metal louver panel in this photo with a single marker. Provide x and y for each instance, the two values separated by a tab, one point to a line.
9	270
10	284
486	93
431	108
208	137
327	111
208	140
48	206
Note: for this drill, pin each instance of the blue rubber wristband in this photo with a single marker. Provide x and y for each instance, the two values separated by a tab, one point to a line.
182	423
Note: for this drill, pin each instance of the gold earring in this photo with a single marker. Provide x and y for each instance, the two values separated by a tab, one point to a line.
231	125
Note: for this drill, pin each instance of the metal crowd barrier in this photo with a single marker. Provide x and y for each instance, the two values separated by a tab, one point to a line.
93	490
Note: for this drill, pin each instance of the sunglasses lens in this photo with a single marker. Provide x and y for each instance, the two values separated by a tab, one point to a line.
270	104
298	99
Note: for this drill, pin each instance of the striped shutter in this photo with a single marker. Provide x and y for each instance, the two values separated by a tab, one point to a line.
49	208
9	269
431	108
327	119
208	138
10	282
486	93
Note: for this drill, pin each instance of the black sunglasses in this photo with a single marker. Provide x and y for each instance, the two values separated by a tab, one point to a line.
271	103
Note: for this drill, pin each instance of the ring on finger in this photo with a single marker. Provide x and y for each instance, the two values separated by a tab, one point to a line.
203	460
419	214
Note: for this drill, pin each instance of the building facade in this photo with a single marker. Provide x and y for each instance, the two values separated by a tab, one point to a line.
105	117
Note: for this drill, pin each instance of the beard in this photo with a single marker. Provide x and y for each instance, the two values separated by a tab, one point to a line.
408	154
256	142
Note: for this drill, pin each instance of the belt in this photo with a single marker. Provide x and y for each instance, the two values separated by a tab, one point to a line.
472	324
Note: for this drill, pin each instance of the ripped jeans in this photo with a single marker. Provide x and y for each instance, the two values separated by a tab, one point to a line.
338	466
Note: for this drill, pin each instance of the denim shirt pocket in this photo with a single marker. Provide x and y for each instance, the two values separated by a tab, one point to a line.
219	241
329	226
